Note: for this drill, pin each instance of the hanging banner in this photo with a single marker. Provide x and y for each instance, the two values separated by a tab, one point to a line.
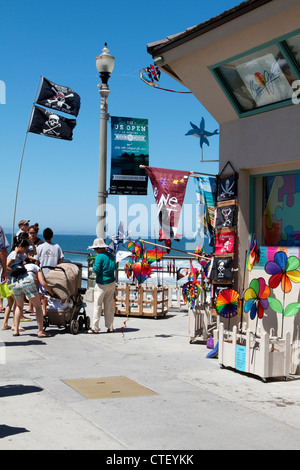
129	150
45	122
169	188
206	189
58	97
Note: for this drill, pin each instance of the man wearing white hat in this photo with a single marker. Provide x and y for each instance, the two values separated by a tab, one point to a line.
104	268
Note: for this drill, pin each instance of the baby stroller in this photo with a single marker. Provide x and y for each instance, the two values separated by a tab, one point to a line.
67	308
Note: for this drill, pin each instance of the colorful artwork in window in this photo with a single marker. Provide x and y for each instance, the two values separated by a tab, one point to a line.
277	210
258	79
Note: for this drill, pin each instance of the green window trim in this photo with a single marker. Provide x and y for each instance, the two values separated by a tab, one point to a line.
254	218
289	57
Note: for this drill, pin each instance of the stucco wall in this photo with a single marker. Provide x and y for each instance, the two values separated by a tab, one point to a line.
261	144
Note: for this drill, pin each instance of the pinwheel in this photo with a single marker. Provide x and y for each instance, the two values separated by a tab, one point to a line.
254	253
283	270
191	292
141	271
228	303
193	274
128	269
256	297
137	248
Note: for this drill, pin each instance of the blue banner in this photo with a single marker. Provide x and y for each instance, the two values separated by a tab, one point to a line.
129	150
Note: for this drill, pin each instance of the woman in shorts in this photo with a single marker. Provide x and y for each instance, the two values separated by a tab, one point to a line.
25	285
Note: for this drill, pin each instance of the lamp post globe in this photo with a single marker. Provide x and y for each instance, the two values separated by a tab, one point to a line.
105	65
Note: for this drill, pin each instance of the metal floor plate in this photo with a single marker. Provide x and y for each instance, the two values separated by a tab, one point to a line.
108	387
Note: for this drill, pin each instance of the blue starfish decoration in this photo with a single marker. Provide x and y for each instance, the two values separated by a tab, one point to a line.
201	133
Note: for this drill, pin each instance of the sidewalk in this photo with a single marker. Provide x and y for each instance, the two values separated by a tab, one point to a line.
196	405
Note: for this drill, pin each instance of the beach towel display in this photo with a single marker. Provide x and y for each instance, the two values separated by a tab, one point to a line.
225	220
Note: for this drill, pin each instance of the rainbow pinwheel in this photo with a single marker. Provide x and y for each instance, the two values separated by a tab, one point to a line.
128	269
228	303
256	297
141	271
283	270
136	248
254	253
191	292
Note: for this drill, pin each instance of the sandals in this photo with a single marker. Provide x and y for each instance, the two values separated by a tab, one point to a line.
92	332
110	330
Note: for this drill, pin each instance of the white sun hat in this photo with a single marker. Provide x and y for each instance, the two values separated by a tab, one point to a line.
98	243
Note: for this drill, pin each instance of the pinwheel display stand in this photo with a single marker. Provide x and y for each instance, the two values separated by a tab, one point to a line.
202	322
142	301
263	355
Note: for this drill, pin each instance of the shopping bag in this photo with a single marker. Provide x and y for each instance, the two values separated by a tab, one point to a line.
5	291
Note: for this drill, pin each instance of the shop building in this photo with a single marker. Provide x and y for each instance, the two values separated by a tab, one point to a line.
244	67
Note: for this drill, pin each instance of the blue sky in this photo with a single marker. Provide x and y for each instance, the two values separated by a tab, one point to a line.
59	179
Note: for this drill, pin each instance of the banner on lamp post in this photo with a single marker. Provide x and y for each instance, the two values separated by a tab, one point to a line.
129	150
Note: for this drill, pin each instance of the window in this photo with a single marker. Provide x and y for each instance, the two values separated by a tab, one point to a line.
261	80
294	46
276	209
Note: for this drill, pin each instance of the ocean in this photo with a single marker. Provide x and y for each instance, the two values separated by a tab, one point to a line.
75	248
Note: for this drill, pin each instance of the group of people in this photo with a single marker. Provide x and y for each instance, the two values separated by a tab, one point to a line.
30	257
22	274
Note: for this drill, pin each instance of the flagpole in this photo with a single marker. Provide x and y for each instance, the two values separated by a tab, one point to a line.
179	251
21	163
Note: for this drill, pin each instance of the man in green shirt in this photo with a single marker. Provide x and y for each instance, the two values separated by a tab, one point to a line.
104	268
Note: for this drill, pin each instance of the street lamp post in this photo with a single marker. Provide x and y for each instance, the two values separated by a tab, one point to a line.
105	64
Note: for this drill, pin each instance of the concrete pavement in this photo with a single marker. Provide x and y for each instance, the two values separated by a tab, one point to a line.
196	405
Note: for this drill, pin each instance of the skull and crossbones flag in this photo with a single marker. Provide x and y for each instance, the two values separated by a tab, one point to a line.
47	123
58	97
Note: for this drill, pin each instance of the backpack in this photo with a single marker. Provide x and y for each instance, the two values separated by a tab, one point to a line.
17	270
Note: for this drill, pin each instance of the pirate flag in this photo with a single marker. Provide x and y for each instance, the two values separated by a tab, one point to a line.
225	216
58	97
46	123
227	187
220	269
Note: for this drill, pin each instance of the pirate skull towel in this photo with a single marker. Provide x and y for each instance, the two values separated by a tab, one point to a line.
221	269
58	97
227	187
46	123
224	242
225	215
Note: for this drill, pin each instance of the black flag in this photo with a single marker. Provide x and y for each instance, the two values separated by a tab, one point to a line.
58	97
46	123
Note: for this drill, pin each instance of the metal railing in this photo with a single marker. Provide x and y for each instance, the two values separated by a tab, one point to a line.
164	269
